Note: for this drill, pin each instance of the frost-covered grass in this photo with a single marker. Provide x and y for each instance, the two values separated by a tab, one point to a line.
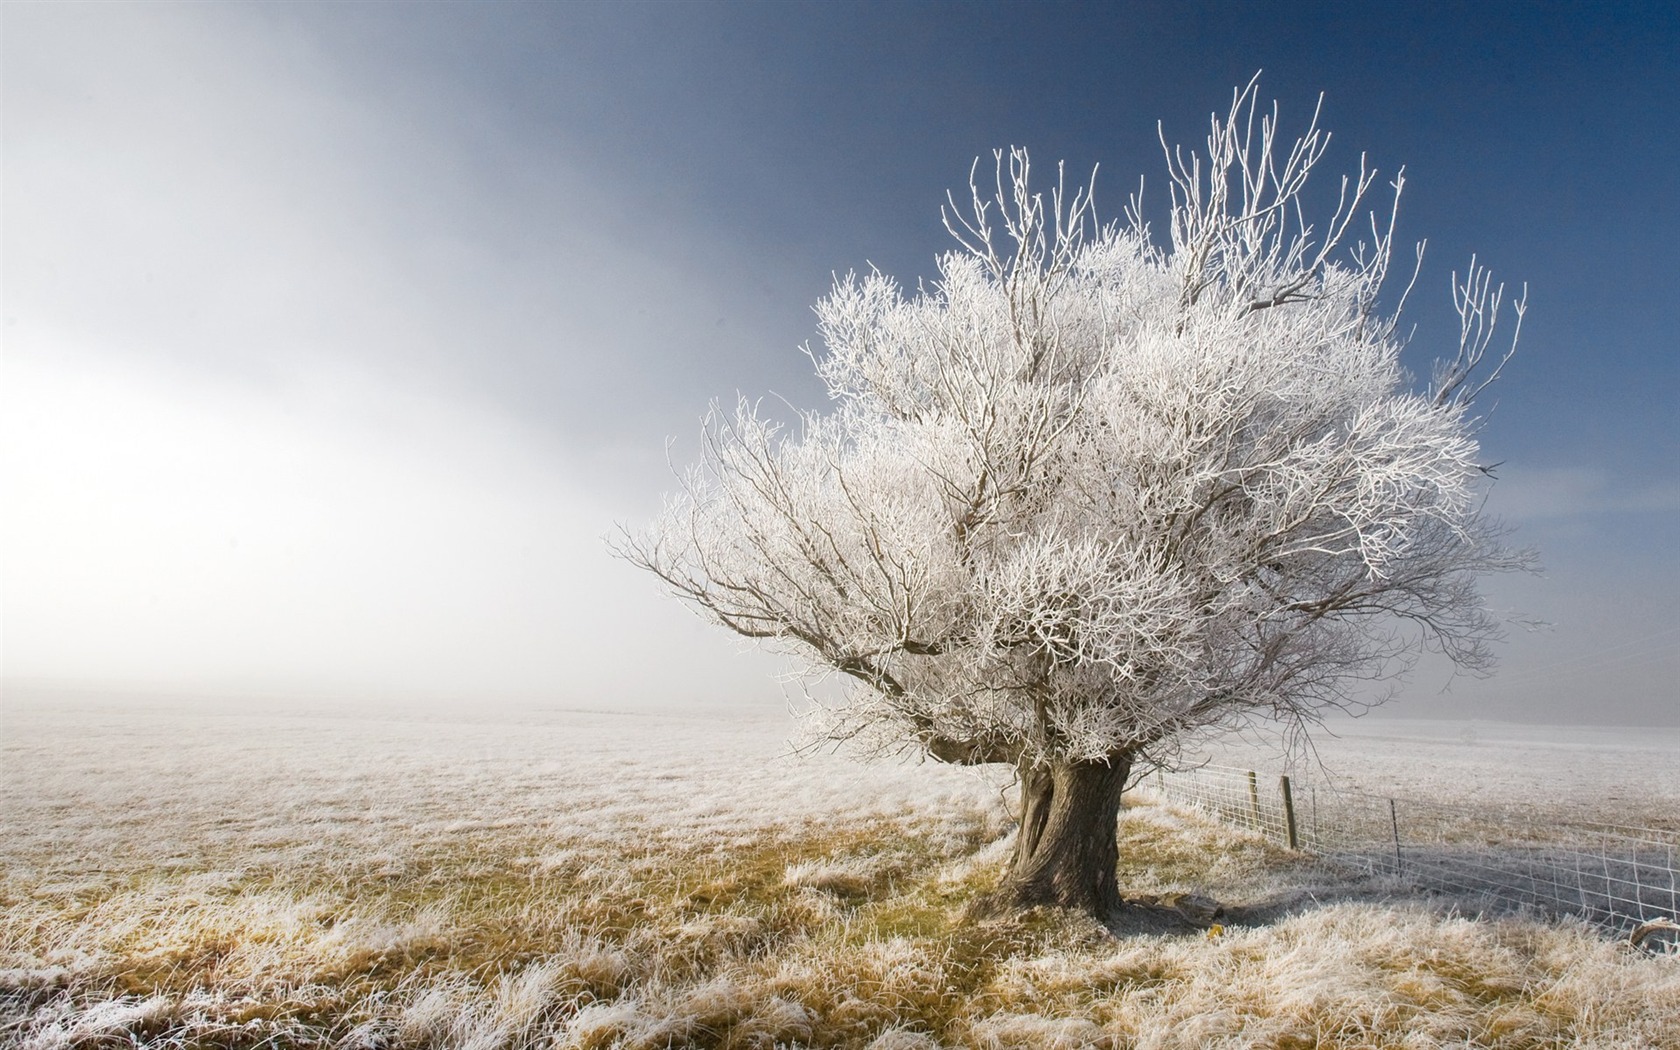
184	878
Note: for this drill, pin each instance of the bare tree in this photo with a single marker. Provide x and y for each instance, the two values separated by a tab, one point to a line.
1088	493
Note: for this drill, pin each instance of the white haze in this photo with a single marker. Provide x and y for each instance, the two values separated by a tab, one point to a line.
253	438
169	531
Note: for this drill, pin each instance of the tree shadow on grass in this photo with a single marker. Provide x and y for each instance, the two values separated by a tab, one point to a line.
1612	878
1617	895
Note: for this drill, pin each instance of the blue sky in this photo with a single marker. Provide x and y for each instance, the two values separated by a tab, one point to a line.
336	335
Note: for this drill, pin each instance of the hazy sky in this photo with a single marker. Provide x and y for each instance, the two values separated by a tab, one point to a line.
337	335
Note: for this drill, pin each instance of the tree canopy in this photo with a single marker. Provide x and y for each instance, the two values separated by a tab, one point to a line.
1089	491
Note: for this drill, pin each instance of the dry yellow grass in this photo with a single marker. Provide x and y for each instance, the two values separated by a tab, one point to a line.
465	906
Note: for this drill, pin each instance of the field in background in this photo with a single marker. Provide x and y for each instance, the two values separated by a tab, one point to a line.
1606	775
190	877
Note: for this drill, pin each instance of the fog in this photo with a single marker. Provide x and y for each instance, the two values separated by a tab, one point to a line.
174	531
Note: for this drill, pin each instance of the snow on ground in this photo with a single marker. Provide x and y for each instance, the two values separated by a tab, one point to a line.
96	777
99	782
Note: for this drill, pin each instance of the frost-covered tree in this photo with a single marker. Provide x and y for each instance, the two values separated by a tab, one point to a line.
1088	492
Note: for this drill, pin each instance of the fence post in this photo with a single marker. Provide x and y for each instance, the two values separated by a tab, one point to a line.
1394	821
1253	800
1290	836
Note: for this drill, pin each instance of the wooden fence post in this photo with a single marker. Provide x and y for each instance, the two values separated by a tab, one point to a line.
1290	835
1254	800
1394	822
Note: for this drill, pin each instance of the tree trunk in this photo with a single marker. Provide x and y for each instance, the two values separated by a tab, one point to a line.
1068	848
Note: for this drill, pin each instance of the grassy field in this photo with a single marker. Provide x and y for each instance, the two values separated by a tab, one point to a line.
179	877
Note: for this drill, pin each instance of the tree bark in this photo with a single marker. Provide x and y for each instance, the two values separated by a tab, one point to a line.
1068	847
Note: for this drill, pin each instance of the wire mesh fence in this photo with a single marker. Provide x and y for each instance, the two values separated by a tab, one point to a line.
1488	859
1234	796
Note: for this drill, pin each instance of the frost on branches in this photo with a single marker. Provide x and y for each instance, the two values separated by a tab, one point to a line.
1086	493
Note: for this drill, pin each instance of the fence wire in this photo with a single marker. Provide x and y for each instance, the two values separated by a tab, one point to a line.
1489	859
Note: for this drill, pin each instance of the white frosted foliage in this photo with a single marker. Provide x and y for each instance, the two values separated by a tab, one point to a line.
1087	491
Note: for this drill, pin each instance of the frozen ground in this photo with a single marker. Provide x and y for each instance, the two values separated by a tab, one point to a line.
185	874
99	777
